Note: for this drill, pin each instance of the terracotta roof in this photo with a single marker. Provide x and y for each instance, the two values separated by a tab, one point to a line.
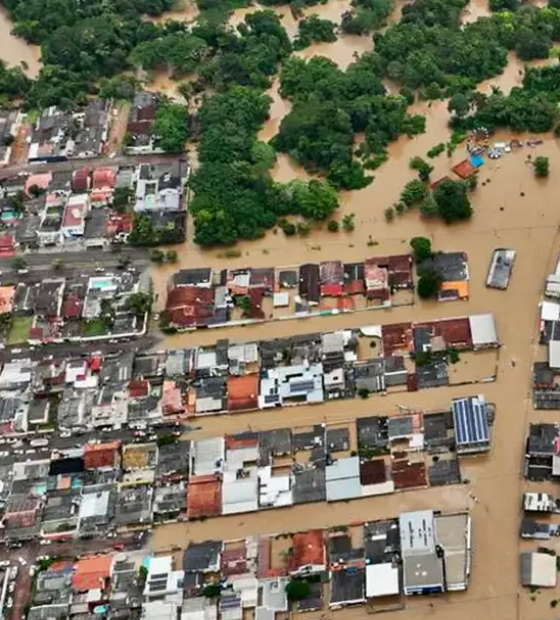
103	178
396	336
464	169
243	392
204	498
91	573
332	290
307	548
408	475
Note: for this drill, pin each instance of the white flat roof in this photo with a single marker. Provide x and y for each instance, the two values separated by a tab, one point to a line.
381	580
483	329
554	353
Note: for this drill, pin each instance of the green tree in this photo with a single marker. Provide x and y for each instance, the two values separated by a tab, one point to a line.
157	256
171	256
139	303
421	248
428	206
414	192
452	201
171	127
389	214
348	223
313	29
541	166
429	283
459	104
17	263
122	198
423	168
297	589
333	226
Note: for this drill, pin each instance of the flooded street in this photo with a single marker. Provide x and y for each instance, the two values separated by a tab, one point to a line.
14	51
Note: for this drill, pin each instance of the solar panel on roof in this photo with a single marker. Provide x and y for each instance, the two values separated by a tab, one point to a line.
470	418
301	386
156	587
159	576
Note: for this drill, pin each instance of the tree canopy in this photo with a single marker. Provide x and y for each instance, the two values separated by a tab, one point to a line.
452	200
170	127
329	107
313	29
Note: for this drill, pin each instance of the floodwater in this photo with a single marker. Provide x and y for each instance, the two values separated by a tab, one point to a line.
528	224
513	209
14	51
184	11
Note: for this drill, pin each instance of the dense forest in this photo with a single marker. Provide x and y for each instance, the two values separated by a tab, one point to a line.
428	53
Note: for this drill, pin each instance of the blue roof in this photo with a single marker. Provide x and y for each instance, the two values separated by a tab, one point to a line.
470	418
477	160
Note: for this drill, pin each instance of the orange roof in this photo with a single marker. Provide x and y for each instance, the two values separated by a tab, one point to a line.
204	498
308	548
464	169
461	287
243	392
90	573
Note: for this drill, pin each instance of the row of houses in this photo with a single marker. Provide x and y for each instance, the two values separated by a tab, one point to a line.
77	209
82	307
107	487
374	563
60	135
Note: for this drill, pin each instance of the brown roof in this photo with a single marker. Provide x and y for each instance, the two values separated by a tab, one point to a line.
243	392
396	336
373	472
204	498
408	475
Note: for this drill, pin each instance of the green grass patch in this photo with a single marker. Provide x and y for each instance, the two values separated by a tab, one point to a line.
19	332
95	327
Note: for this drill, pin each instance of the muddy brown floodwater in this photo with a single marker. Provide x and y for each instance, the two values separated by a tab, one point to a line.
14	51
513	209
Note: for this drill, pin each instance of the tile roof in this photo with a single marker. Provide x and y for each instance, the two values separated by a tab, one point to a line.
90	573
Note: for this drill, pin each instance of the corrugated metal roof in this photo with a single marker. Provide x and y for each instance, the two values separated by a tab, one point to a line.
470	418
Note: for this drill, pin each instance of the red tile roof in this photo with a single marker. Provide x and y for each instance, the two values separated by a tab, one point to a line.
101	455
464	169
332	290
396	336
91	573
104	178
307	548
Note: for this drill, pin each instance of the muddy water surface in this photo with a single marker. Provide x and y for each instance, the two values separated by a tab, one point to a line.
512	209
14	51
